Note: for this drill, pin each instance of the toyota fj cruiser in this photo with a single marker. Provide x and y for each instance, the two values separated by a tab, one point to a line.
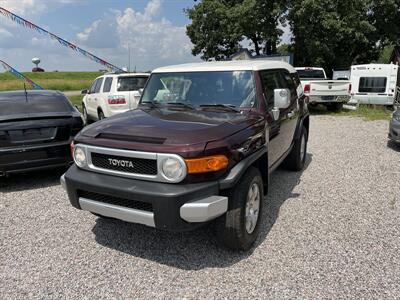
199	147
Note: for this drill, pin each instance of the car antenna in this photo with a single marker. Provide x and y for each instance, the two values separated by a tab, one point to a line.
26	93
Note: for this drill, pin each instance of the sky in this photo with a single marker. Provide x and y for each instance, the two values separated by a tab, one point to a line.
153	30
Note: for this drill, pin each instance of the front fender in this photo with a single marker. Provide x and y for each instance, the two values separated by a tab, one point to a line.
304	121
240	168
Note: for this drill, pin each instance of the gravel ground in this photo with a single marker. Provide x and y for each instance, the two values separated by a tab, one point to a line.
329	232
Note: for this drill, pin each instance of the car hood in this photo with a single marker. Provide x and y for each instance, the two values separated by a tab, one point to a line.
167	126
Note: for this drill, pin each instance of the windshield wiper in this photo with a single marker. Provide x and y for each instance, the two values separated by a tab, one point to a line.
228	106
182	104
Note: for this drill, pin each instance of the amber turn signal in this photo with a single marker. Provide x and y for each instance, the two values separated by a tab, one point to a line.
206	164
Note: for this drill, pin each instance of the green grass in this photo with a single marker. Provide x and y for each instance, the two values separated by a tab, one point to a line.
63	81
367	112
76	100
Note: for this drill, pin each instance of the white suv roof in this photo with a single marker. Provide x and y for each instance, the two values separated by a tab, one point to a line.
235	65
310	68
125	75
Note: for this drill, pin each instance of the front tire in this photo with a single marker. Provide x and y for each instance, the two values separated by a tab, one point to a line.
296	159
239	227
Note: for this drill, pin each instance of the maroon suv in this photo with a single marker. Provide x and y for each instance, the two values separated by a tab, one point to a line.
199	148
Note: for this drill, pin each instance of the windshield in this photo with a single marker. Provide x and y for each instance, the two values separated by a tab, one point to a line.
311	74
12	104
130	83
233	88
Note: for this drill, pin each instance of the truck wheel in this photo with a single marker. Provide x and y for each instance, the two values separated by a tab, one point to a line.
335	107
100	115
238	228
296	159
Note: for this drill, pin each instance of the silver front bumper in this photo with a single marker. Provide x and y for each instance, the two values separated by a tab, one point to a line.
204	210
193	212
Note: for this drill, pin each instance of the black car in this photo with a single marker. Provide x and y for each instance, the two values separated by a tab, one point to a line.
394	128
36	129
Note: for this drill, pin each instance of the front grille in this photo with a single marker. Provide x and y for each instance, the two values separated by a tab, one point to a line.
125	164
116	201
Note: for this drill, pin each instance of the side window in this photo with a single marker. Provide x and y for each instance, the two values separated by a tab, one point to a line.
273	79
98	85
107	84
93	87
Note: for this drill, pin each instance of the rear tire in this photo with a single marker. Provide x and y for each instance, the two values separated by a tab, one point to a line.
100	115
335	107
239	227
296	159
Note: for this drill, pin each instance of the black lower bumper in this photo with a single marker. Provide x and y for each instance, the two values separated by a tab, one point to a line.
165	199
34	158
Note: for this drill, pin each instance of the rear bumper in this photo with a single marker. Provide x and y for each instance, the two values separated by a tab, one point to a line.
320	99
32	158
394	130
174	207
372	99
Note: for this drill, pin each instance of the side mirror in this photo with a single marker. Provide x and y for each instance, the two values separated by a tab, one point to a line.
140	91
281	98
84	92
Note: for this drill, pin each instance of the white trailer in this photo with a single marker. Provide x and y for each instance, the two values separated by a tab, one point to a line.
374	83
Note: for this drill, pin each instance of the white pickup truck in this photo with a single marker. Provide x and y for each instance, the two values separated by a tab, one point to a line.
321	90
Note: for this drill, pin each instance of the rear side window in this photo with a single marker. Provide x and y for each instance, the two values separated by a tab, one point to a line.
98	85
297	83
107	84
16	104
277	79
130	83
372	84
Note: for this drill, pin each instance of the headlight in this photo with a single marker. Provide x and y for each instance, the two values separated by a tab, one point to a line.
172	169
79	156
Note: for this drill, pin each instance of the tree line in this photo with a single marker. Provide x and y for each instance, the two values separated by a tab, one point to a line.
327	33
